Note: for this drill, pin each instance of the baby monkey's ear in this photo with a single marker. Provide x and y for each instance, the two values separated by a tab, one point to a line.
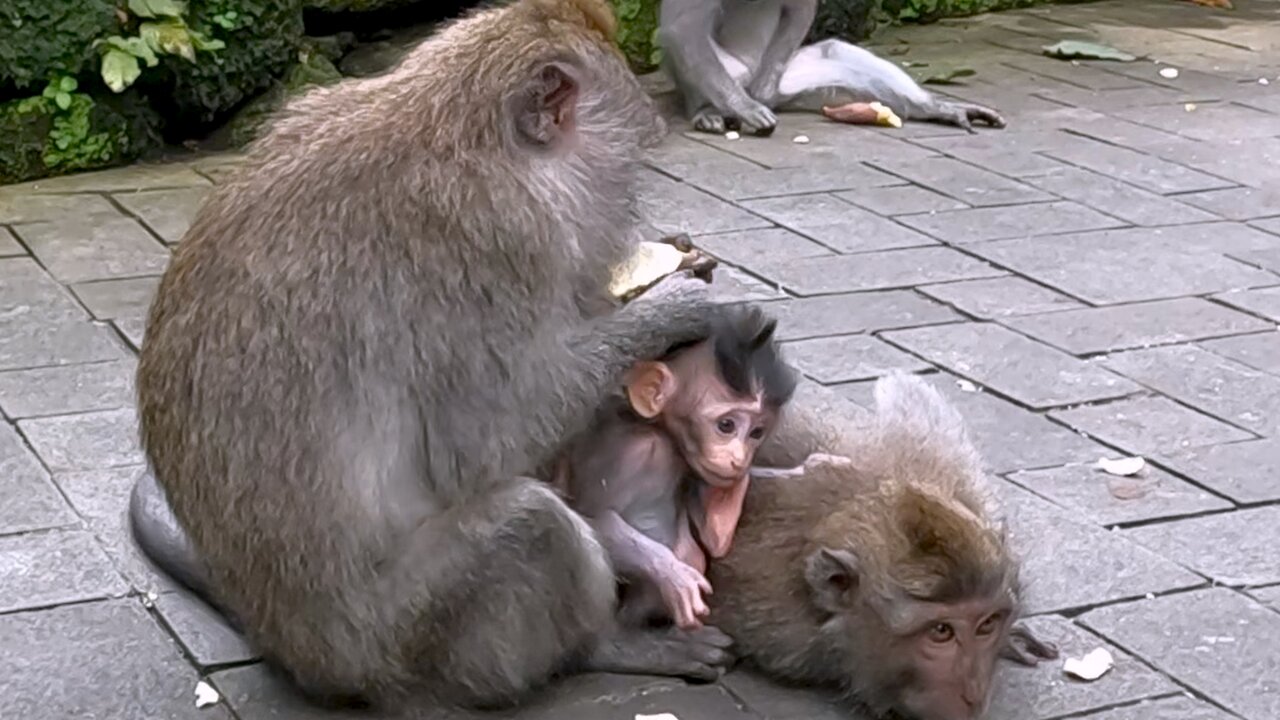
650	386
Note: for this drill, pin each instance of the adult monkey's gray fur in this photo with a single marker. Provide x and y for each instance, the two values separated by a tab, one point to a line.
737	61
370	333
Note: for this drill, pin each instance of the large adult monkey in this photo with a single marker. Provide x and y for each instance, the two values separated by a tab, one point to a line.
370	333
737	61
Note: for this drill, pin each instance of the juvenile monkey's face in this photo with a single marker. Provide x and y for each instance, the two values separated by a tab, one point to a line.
721	431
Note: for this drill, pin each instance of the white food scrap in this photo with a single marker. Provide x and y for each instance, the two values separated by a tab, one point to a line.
886	116
1090	667
800	139
1169	73
1122	466
206	695
732	135
651	263
966	386
660	716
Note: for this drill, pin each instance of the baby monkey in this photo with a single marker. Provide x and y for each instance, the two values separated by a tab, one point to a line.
663	473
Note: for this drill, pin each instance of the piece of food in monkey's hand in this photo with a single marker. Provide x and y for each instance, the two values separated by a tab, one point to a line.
860	113
654	261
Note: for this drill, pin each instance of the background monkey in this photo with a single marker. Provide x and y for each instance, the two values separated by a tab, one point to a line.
737	61
887	576
670	458
366	338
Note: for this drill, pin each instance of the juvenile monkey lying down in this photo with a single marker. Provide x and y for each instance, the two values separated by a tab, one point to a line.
887	575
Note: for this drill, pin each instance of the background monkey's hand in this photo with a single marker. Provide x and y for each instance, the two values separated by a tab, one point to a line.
682	588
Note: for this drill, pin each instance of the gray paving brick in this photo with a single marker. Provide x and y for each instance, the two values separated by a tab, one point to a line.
848	358
257	693
167	212
1000	297
1031	373
1149	425
1224	388
681	156
31	500
1180	707
1109	500
1135	168
1268	259
9	244
1268	596
67	389
107	438
1118	199
771	701
1261	351
962	181
1043	692
1240	203
900	200
1215	640
1265	301
729	285
999	223
1271	225
18	207
837	224
744	184
1237	548
144	176
829	143
1120	327
1118	100
675	207
1072	563
748	247
106	661
1209	121
26	342
1115	266
205	634
1245	472
75	249
111	299
854	313
1246	162
27	293
101	497
874	271
54	567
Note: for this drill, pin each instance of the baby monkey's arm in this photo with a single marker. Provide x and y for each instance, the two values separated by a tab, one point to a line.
636	555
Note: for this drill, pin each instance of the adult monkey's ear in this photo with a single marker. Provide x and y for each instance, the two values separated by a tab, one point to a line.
546	108
650	386
832	576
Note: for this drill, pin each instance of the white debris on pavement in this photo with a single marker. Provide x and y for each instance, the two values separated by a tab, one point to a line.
1090	667
206	695
1122	466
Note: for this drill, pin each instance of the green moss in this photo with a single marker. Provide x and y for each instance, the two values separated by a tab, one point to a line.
43	139
43	38
637	33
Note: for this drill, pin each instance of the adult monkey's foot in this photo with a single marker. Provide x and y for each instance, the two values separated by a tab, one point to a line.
709	120
701	654
962	114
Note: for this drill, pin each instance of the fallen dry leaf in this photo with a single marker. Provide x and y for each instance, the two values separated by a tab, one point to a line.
1068	49
1090	667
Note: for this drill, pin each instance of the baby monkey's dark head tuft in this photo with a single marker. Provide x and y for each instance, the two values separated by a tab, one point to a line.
748	356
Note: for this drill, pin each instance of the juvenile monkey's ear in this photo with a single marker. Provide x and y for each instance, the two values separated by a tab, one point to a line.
546	110
650	386
832	576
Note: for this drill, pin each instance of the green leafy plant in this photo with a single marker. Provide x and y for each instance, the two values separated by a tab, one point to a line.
59	91
163	31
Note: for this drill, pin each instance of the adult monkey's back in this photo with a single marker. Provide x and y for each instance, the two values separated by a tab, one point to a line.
368	334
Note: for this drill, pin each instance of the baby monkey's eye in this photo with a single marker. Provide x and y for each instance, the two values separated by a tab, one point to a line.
941	632
757	433
726	425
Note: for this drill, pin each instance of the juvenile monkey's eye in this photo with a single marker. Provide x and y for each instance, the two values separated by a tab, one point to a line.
757	433
726	425
989	625
941	632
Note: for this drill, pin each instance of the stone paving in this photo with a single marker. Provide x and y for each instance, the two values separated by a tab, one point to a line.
1100	279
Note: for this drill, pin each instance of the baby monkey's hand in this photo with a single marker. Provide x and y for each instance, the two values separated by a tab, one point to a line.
682	588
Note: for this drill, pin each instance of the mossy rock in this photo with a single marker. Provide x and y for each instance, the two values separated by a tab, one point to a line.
46	38
41	139
314	69
637	33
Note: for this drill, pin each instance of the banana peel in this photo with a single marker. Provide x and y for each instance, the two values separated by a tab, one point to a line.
860	113
654	261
